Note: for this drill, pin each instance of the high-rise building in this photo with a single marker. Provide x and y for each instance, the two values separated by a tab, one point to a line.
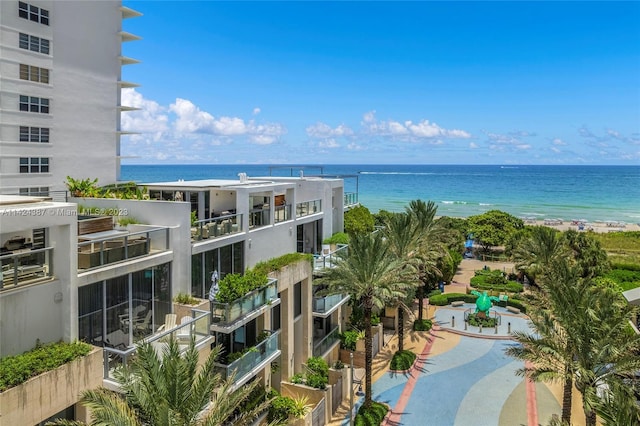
60	80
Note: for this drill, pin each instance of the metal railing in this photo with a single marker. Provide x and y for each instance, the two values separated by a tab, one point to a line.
282	213
308	207
350	198
217	227
251	359
104	251
197	328
226	313
26	267
323	345
323	304
329	260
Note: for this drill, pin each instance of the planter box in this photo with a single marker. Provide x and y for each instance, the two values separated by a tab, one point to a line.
316	397
42	396
95	224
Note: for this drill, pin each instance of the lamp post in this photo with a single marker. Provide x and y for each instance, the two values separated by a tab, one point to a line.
351	419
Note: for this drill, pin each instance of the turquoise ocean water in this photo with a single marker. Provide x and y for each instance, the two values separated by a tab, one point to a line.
593	193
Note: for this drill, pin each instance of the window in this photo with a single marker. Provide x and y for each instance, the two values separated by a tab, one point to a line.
34	165
33	43
35	191
31	73
33	13
34	104
297	299
34	134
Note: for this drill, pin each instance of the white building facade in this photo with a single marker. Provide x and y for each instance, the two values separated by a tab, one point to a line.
60	81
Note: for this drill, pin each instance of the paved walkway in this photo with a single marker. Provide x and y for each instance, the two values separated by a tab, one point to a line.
461	377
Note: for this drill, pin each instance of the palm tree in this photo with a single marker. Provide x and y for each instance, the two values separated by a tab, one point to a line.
428	245
401	234
536	254
171	389
607	351
552	347
371	276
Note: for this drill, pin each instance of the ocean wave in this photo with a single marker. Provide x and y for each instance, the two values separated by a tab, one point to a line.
485	204
453	202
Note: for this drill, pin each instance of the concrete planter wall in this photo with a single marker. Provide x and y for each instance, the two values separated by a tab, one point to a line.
315	397
185	310
49	393
358	355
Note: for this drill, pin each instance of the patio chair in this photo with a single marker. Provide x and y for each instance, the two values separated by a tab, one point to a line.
184	333
142	326
169	322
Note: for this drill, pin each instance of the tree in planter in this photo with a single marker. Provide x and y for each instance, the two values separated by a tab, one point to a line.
369	274
493	228
170	390
401	233
429	249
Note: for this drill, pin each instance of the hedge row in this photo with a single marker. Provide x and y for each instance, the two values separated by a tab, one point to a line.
447	298
17	369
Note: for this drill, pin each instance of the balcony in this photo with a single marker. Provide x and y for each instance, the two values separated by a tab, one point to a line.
350	199
308	207
324	261
104	248
323	306
26	267
197	328
252	361
325	344
283	213
225	315
260	217
217	227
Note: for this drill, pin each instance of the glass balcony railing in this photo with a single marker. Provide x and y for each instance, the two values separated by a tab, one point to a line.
324	304
350	198
253	357
282	213
259	217
197	328
329	260
227	313
308	207
321	346
93	253
217	227
26	267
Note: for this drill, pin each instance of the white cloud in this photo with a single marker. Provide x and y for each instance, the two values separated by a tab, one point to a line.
328	143
151	118
408	130
256	111
558	142
323	131
473	145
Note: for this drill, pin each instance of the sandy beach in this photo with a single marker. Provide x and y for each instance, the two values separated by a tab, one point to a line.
586	226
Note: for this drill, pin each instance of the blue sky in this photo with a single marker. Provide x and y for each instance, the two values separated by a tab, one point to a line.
384	82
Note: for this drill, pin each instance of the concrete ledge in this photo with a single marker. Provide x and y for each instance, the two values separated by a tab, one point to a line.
513	309
457	303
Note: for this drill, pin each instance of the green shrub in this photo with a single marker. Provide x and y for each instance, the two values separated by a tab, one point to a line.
234	286
476	321
280	409
373	416
348	339
402	360
439	300
278	263
17	369
185	299
339	365
434	293
317	381
319	366
337	238
297	378
424	325
517	304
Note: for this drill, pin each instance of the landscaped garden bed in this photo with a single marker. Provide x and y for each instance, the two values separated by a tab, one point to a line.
373	416
402	360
